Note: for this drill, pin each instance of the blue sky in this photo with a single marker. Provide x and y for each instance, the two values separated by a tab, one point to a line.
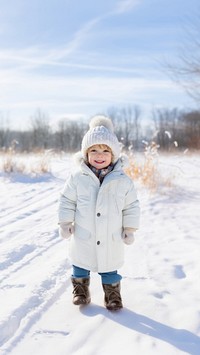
76	58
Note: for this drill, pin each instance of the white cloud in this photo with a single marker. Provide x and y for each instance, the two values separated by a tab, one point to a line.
126	5
35	57
80	77
32	91
75	97
76	42
23	60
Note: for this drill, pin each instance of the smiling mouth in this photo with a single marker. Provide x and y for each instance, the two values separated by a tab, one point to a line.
99	162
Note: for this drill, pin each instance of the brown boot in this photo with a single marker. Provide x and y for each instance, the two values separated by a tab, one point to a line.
81	291
112	299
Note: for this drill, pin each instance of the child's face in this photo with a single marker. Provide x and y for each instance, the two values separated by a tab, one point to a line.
99	156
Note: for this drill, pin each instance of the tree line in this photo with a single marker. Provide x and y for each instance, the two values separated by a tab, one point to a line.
168	128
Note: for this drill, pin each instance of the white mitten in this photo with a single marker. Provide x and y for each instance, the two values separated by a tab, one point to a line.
128	236
66	230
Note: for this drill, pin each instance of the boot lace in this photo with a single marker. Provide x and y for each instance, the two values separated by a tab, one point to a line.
113	295
80	290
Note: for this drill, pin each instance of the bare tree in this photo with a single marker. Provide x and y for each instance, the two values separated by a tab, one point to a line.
69	135
60	141
187	70
115	114
40	130
4	131
168	123
137	125
192	129
127	124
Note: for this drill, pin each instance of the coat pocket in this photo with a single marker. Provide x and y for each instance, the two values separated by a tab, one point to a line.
81	233
80	248
119	202
117	236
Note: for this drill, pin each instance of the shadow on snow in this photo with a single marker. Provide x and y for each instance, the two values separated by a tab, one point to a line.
182	339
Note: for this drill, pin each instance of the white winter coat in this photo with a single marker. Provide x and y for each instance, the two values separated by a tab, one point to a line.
99	213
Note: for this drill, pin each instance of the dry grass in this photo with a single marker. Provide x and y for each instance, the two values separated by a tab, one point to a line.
146	169
26	163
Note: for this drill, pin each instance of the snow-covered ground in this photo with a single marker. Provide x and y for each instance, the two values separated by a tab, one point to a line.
160	286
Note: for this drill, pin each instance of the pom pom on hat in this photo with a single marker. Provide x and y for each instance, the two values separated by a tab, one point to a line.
101	132
102	121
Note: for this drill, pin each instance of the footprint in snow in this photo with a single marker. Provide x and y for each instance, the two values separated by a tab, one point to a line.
178	272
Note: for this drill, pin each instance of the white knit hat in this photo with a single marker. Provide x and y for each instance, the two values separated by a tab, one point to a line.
101	132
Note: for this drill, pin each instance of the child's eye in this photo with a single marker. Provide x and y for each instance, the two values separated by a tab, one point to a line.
106	151
92	151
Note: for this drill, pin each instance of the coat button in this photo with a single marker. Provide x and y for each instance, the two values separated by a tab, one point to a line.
98	242
98	214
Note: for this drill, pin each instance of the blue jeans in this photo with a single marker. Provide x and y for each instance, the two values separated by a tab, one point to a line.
107	278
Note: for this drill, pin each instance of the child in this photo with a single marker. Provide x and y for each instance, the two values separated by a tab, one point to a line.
99	212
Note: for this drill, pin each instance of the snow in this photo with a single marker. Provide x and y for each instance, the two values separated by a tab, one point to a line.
160	286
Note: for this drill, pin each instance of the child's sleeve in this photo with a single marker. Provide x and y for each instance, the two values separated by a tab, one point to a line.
67	202
131	211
